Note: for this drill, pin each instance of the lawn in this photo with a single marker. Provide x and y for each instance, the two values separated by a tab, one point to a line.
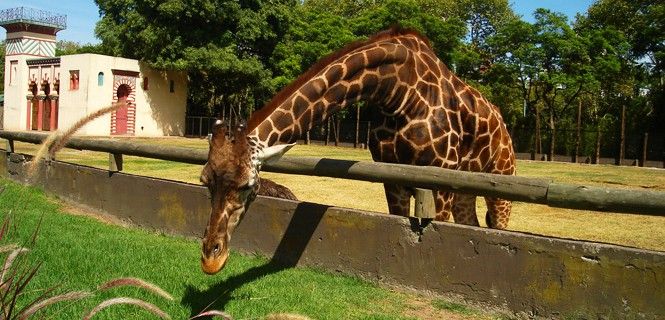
625	229
80	253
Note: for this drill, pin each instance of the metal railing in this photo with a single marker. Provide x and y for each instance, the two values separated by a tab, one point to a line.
533	190
31	15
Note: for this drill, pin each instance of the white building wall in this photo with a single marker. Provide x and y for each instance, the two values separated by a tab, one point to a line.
158	111
16	90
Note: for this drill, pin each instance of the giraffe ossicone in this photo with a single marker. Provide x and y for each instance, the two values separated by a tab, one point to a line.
425	114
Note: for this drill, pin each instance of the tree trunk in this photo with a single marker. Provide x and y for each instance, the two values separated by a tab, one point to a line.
355	142
596	159
539	144
369	131
337	127
578	137
644	149
552	138
307	140
622	137
327	131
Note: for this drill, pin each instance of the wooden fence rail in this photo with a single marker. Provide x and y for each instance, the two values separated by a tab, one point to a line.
533	190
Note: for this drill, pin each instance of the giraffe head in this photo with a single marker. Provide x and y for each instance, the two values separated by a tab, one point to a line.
231	175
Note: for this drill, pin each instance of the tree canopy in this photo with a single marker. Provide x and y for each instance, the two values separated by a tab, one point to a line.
239	53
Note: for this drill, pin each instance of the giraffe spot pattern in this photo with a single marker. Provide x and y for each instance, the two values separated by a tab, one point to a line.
428	116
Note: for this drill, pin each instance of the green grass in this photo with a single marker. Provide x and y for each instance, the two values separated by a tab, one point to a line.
452	306
80	253
624	229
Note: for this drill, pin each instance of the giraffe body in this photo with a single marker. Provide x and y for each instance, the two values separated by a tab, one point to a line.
427	117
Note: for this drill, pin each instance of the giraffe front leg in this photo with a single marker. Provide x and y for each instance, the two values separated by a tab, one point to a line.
498	212
464	209
443	204
399	199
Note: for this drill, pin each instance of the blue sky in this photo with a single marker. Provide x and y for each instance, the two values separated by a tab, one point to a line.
83	14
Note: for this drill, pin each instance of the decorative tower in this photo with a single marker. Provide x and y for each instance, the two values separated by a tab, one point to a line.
31	37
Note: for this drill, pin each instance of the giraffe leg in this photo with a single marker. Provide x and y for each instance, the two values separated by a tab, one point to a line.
443	204
464	209
498	212
399	199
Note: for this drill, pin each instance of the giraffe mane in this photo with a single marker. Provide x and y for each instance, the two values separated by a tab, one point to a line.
263	113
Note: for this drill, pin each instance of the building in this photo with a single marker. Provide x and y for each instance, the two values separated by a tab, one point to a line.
44	92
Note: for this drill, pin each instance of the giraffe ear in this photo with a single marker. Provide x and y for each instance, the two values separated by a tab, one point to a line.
273	153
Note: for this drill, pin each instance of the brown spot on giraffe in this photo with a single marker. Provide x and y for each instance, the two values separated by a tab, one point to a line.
429	116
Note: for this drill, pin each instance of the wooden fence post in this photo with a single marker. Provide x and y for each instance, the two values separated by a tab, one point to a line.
10	146
424	204
115	162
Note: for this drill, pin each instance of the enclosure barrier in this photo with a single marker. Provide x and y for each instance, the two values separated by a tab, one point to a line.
531	275
533	190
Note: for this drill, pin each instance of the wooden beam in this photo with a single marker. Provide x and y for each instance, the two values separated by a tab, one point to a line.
533	190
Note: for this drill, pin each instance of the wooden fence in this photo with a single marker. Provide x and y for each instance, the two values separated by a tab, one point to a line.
533	190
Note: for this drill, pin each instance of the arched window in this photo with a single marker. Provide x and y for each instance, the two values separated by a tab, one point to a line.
171	86
100	79
145	83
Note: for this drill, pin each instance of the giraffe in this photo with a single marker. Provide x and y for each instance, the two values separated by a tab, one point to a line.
427	116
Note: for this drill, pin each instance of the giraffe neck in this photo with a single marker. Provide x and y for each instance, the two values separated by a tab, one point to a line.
401	74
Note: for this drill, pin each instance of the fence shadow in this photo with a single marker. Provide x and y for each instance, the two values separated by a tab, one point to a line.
304	222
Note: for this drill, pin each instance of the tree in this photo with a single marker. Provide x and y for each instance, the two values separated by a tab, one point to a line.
515	68
642	24
311	36
225	45
445	35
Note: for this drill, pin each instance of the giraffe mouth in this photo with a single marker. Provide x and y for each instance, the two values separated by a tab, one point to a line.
213	265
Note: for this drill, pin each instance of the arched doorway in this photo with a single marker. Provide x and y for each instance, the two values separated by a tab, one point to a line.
123	121
122	95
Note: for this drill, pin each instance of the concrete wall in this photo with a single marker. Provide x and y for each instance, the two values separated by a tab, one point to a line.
529	274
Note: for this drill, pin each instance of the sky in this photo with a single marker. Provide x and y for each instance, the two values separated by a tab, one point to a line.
82	15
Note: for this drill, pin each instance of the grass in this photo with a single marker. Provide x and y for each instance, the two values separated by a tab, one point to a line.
79	253
624	229
452	306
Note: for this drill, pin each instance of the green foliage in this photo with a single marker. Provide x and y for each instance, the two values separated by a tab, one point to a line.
454	307
224	45
311	36
64	47
238	53
445	35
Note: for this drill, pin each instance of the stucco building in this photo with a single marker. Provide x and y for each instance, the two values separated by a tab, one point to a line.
44	92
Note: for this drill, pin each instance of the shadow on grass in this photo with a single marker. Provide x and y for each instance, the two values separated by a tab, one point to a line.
304	222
